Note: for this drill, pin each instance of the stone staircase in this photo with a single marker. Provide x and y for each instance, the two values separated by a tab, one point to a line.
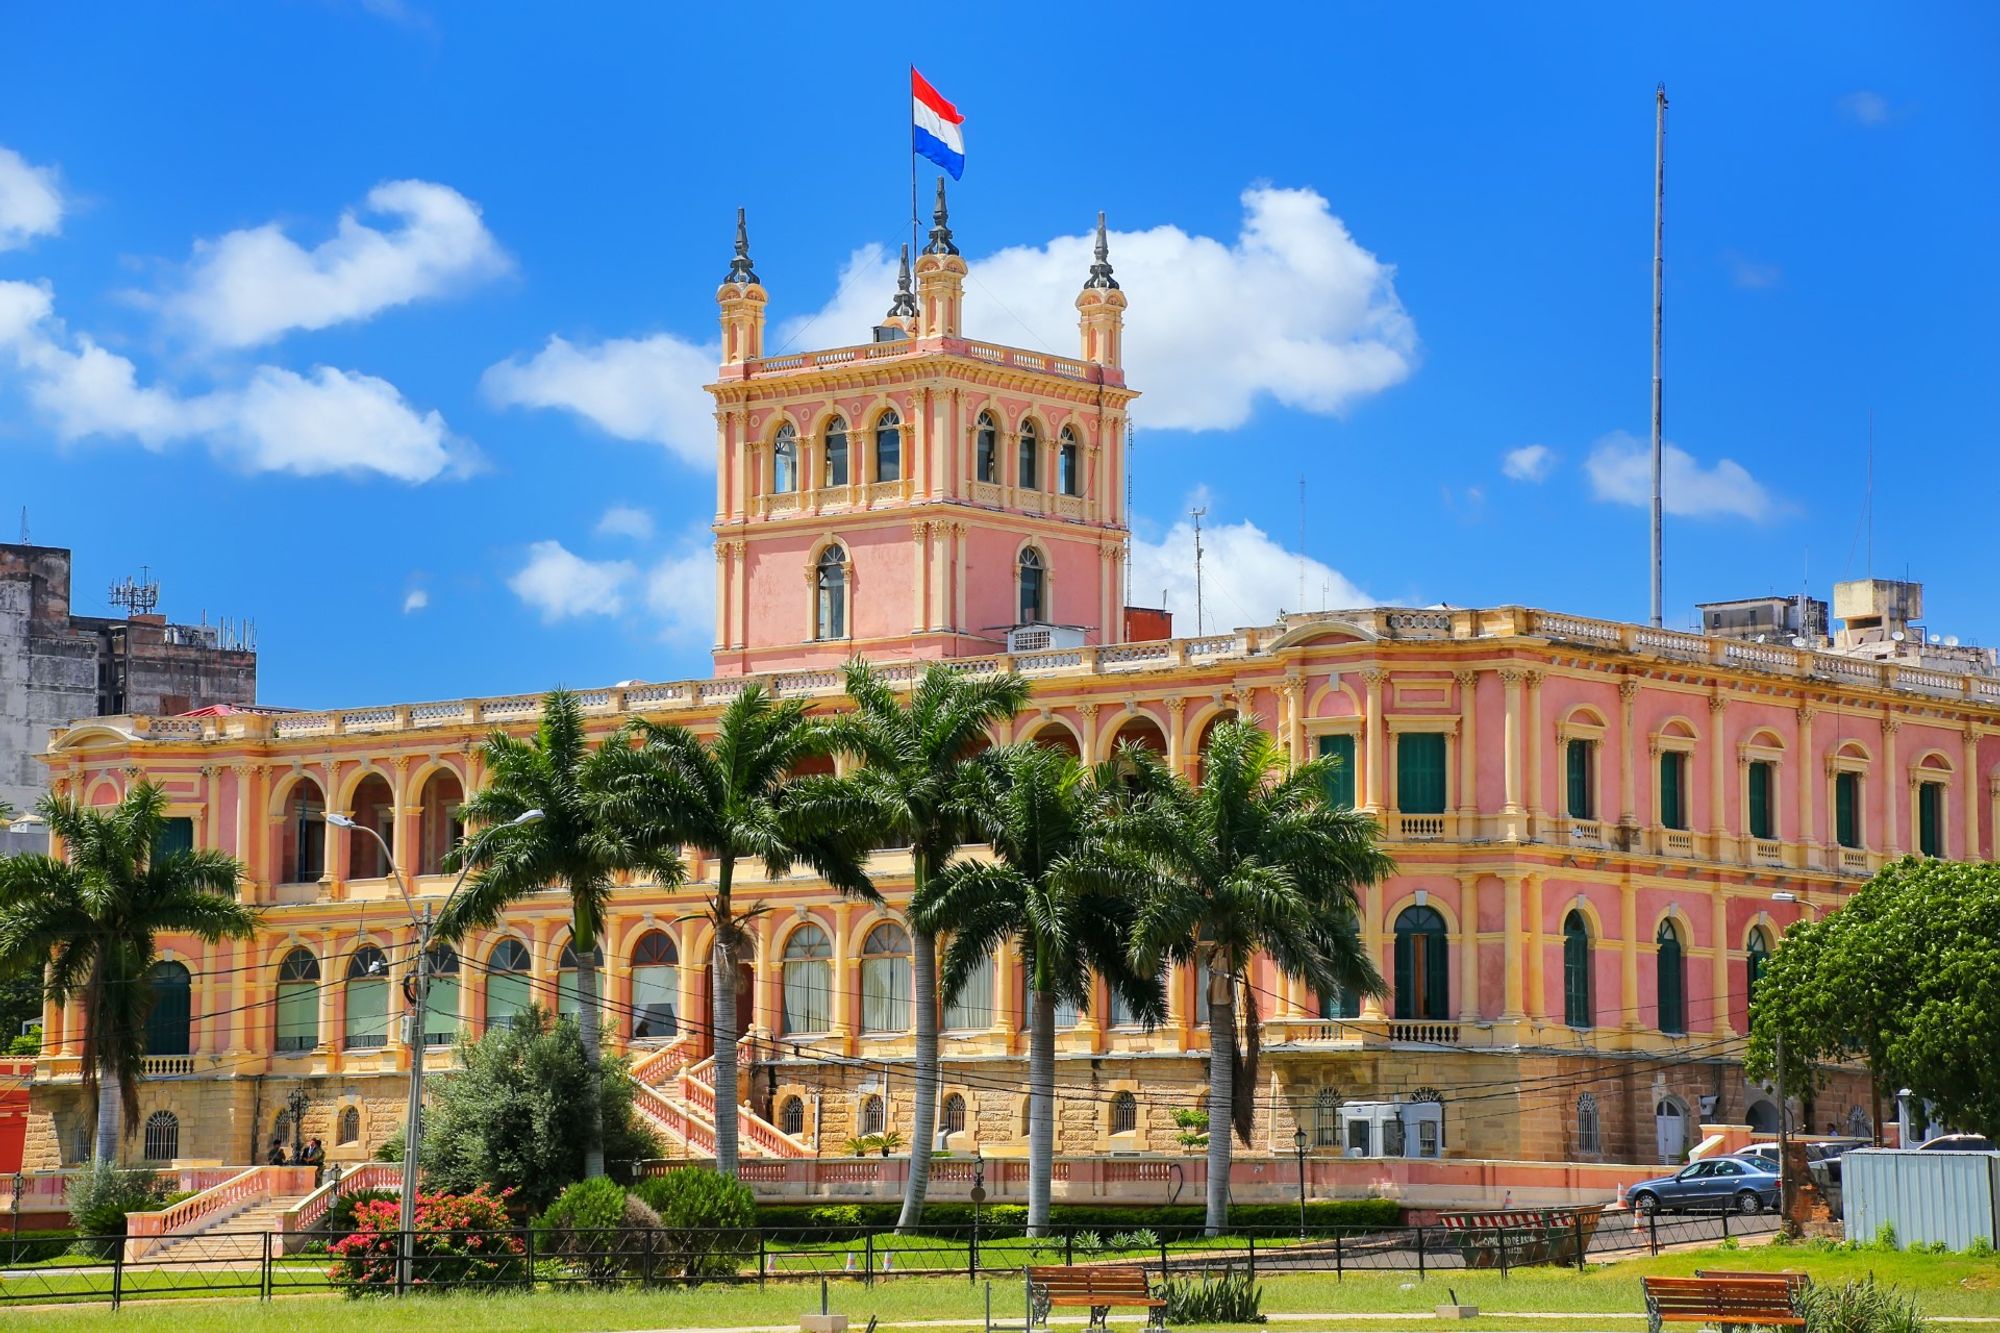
677	1096
222	1224
235	1238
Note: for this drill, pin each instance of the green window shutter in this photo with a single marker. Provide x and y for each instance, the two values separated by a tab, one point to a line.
1760	800
367	1014
175	835
1437	975
170	1019
507	994
1930	819
1339	782
1673	806
441	1011
1847	809
1420	773
298	1015
1576	975
1672	983
1577	759
1406	979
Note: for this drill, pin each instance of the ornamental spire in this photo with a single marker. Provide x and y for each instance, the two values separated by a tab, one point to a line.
905	304
1100	272
941	230
739	267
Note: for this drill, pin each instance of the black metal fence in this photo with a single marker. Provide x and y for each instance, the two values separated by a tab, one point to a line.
267	1264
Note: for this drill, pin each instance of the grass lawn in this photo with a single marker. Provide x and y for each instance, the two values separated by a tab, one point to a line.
1944	1284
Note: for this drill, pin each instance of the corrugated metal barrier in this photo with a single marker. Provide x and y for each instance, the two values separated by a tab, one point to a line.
1927	1197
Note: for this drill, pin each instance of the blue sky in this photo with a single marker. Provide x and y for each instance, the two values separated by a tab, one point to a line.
361	434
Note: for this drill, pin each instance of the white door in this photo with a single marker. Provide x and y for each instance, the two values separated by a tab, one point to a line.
1670	1127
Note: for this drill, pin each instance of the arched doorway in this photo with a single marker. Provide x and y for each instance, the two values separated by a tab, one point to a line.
374	808
1670	1129
1762	1117
1423	964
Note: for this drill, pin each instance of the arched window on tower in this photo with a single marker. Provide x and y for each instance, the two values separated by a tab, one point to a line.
1756	958
1589	1130
1578	1011
785	461
888	447
836	453
986	449
1027	475
830	593
1672	981
1069	464
1034	601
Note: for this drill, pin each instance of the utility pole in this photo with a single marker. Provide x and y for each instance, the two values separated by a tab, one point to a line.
1196	515
1659	296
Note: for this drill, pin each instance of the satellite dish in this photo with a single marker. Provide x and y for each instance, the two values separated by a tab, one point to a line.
1760	638
1898	636
1937	638
1798	642
1951	641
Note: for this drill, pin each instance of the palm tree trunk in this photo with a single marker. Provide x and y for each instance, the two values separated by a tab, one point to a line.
1041	1108
110	1112
1221	1080
722	982
588	1021
923	968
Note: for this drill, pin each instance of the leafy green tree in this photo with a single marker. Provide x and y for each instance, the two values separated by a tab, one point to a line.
1252	861
517	1112
1906	976
92	919
738	795
1064	894
914	777
575	848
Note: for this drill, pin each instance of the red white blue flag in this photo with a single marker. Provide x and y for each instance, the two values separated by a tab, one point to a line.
936	133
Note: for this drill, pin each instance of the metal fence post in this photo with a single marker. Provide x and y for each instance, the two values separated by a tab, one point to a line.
868	1260
1725	1222
1500	1233
1653	1232
1069	1246
1577	1221
1163	1252
117	1273
264	1277
763	1259
1339	1272
1253	1256
528	1266
1420	1252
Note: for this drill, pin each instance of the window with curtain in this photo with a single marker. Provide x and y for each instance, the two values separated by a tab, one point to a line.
808	982
792	1116
1847	809
176	835
1339	750
836	453
1756	957
569	1000
785	461
1423	958
1930	818
1122	1015
1026	475
163	1136
1067	1013
298	1002
1580	764
1069	464
1589	1133
971	1008
1420	772
888	447
656	987
367	1025
1761	784
1124	1113
508	984
1673	790
885	980
1326	1119
441	1024
170	1021
1672	979
986	448
1034	602
1578	1011
954	1114
873	1115
830	613
303	854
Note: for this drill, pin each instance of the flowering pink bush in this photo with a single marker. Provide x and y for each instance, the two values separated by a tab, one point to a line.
460	1240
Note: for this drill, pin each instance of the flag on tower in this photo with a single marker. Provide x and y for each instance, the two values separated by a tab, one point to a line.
936	132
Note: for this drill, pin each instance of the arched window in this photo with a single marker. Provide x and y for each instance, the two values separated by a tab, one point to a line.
1034	602
785	461
830	613
1580	768
1589	1132
170	1020
441	827
792	1116
1756	957
1672	980
349	1130
1858	1125
971	1007
302	837
441	998
374	808
986	449
954	1114
1422	964
1760	786
569	999
1122	1013
836	453
1026	475
872	1116
1930	818
1124	1113
885	980
1069	464
888	447
507	982
163	1137
298	1001
1326	1119
367	1000
1578	1010
808	980
1847	808
656	987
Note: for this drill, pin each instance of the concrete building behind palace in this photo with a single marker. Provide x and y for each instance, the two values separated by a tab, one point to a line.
1601	830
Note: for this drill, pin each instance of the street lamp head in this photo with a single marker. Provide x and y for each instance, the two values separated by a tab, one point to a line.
338	820
1784	896
526	817
1299	1138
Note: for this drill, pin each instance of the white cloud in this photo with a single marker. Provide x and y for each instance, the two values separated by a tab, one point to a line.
330	421
31	204
1291	309
254	285
1621	472
1246	577
1750	274
626	521
561	584
632	388
680	591
1531	462
1866	107
415	600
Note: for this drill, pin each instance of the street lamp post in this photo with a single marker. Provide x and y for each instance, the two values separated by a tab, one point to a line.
419	1001
1299	1147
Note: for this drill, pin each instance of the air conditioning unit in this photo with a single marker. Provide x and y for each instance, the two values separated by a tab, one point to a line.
1041	638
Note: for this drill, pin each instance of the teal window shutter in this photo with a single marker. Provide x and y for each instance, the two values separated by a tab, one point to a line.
1930	818
1406	975
1577	757
1672	980
1437	973
1423	964
170	1020
1340	781
1760	800
1576	972
1420	773
1847	809
1673	798
175	835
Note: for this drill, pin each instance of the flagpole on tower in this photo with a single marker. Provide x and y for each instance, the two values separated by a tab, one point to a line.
1659	292
914	248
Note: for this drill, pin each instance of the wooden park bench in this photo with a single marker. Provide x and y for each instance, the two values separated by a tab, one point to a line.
1098	1287
1792	1277
1727	1300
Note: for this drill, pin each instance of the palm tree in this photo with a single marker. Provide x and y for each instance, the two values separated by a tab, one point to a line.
91	918
1252	861
738	795
1065	895
913	776
575	847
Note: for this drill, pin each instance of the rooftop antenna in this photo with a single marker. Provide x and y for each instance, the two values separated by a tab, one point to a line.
1659	275
1199	628
24	526
1868	495
137	597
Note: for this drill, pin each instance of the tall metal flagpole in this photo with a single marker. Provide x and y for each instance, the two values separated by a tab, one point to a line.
907	111
1659	274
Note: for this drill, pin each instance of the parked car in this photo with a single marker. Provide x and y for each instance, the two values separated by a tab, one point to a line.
1957	1143
1746	1184
1817	1151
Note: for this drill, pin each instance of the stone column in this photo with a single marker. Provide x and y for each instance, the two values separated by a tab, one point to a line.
1628	745
1628	952
1718	776
1969	786
1086	717
1176	725
845	1019
1468	753
1372	937
1510	885
688	978
1804	774
1537	998
1375	799
332	983
920	586
1468	948
1718	979
1894	794
1007	996
1537	742
722	594
1512	812
1291	707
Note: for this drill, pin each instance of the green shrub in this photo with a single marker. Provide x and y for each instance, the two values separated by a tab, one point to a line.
391	1149
339	1219
835	1216
1228	1299
1885	1237
100	1194
596	1229
707	1222
27	1043
1860	1307
1981	1248
1087	1242
1145	1238
35	1247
